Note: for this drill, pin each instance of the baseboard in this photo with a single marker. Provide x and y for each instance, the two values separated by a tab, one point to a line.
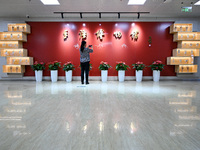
98	78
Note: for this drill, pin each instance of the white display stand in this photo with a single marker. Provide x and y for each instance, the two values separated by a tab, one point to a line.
38	75
104	75
121	75
156	75
54	75
68	75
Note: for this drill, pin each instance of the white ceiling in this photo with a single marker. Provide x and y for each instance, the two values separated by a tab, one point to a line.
35	8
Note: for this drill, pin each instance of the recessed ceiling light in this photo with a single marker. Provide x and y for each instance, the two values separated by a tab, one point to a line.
136	2
50	2
197	3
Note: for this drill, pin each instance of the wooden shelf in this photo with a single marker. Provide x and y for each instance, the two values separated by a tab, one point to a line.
186	69
186	36
180	60
19	27
189	44
20	60
11	44
179	52
13	36
14	52
13	69
181	27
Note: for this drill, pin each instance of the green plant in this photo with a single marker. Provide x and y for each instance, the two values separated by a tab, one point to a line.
150	40
38	66
157	65
121	66
54	65
104	66
68	66
138	66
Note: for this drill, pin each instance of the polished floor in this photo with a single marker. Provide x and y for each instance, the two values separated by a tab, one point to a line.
100	116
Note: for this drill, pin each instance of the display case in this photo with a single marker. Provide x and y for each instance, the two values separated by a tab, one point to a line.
186	36
180	60
185	52
11	44
19	60
13	36
189	44
14	52
186	69
19	27
13	69
181	27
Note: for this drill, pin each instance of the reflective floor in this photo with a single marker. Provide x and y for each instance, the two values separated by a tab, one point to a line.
100	116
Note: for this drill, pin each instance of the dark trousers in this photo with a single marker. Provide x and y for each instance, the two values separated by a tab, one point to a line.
84	68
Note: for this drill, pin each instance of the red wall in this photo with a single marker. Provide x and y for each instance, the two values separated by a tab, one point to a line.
45	43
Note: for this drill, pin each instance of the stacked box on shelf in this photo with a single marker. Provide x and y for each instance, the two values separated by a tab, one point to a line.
188	48
11	46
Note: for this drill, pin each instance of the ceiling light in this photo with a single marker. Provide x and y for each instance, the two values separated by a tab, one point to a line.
136	2
197	3
50	2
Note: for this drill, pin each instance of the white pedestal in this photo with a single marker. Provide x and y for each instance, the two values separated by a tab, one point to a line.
68	75
54	75
156	75
139	75
104	75
121	75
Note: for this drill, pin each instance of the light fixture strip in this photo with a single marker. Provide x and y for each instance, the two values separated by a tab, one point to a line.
136	2
50	2
197	3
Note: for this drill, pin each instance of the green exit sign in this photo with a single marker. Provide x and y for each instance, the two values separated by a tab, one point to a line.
186	9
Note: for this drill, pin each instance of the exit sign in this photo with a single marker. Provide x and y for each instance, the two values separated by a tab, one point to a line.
186	9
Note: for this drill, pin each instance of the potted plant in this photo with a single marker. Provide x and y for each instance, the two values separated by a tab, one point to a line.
156	67
54	66
68	67
121	67
104	66
38	68
138	66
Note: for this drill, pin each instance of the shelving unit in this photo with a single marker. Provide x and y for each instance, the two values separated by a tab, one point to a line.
181	52
181	27
11	44
188	48
13	36
180	60
19	27
11	47
19	60
186	69
13	69
189	44
14	52
190	36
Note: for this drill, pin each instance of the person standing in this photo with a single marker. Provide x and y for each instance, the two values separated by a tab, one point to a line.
85	60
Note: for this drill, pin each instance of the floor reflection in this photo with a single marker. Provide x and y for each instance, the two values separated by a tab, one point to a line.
110	115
